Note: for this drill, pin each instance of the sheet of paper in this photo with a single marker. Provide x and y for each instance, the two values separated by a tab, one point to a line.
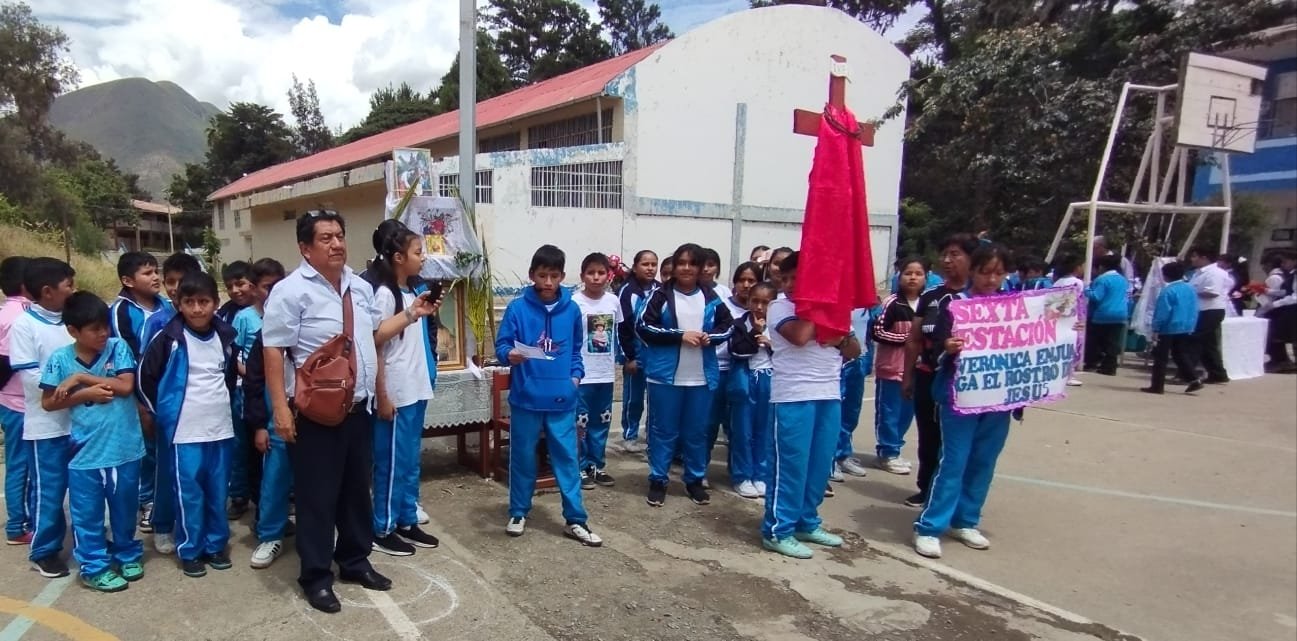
530	352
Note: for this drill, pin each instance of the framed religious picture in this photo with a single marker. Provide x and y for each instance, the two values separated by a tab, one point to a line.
413	171
450	330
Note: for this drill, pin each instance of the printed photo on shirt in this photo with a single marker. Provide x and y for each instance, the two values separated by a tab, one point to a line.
598	329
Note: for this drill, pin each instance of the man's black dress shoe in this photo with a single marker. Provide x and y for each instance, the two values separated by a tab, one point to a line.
323	600
370	580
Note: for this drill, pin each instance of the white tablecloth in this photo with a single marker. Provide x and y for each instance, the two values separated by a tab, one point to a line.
1242	346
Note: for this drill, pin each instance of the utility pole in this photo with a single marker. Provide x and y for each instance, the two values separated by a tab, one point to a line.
468	102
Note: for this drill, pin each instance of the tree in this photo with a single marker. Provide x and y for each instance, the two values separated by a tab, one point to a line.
188	191
492	76
247	138
631	24
102	192
34	64
540	39
311	135
391	107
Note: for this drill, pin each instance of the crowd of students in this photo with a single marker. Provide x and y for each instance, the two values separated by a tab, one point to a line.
173	416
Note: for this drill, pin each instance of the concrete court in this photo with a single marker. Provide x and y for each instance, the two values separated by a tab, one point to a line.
1178	522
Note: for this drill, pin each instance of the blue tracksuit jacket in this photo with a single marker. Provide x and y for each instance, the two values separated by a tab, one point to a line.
1176	311
662	337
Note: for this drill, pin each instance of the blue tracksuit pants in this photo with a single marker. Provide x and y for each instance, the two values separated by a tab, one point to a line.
276	483
93	494
18	464
164	483
396	468
559	429
594	411
239	463
805	435
893	414
720	415
678	421
202	482
149	471
50	458
633	388
750	420
853	400
970	446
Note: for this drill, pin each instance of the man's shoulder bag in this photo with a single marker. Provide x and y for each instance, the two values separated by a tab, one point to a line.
326	383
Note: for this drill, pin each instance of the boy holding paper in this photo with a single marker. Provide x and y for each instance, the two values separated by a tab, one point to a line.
540	337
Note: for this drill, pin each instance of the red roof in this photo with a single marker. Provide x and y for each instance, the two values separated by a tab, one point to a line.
556	92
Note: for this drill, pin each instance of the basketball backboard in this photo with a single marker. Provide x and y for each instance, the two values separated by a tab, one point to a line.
1219	103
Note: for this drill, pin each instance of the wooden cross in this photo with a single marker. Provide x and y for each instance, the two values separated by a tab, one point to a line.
807	123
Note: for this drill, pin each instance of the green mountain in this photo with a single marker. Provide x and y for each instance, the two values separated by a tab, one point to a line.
149	128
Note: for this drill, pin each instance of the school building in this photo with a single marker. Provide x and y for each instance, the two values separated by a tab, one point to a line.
687	141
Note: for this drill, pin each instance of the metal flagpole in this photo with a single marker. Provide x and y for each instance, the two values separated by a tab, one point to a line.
468	102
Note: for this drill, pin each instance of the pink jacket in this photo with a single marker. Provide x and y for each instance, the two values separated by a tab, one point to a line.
890	331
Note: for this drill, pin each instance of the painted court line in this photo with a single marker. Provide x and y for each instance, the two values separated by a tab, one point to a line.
1172	430
20	625
1145	497
405	629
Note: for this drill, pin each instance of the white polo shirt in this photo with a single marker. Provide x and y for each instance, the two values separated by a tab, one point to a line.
408	378
304	312
36	334
1212	284
811	372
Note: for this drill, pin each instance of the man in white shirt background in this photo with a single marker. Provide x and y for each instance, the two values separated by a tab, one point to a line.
1213	285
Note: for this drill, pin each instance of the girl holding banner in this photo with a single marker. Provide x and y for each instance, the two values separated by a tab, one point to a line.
970	444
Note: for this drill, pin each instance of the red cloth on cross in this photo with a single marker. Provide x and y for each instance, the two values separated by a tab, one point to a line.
835	271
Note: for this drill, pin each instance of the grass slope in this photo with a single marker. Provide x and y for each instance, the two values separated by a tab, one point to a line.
149	128
94	274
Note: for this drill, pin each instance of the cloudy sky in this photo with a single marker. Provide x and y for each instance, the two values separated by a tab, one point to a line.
247	50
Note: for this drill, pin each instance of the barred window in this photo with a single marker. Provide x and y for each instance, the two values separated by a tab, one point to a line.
238	219
448	185
573	132
220	219
503	142
592	185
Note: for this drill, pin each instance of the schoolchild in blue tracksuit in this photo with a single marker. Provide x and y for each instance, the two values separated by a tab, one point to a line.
719	421
1175	316
634	296
270	474
540	337
1108	312
407	373
1031	275
34	337
237	277
749	395
139	302
852	392
156	501
94	380
746	276
682	325
187	380
893	412
600	314
970	444
806	394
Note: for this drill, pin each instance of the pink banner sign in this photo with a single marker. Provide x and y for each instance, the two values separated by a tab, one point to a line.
1019	349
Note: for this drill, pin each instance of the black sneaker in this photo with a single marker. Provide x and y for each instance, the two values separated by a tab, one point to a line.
51	567
698	494
393	545
916	500
587	480
1150	390
657	493
219	561
146	518
418	537
603	478
1193	387
194	569
236	509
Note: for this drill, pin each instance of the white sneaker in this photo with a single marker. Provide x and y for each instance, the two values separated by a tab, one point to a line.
266	553
633	447
852	466
164	543
970	537
747	490
421	515
517	525
894	465
929	546
1074	382
582	535
760	487
835	474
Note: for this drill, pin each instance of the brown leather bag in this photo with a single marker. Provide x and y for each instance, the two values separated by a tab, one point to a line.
326	383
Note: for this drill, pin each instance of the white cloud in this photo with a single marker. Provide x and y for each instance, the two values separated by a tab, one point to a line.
230	50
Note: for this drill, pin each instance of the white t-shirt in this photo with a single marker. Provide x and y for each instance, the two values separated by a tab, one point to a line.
1211	279
761	360
205	414
723	350
807	373
407	378
35	335
1069	281
689	316
599	320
